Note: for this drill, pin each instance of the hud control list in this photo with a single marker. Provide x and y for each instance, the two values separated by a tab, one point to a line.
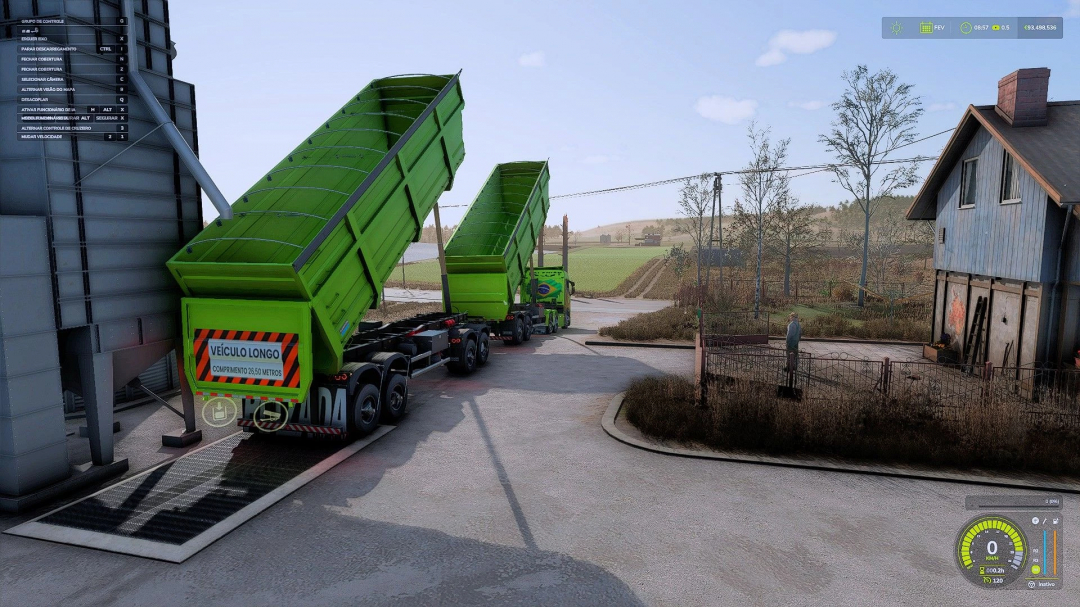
56	66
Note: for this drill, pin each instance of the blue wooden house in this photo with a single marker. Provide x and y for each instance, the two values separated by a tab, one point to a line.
1005	196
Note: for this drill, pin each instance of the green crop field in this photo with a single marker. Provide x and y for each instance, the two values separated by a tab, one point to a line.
594	269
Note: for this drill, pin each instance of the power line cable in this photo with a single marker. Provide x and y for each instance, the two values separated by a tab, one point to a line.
813	168
816	168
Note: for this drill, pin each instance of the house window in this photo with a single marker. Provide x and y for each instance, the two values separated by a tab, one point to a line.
967	182
1010	180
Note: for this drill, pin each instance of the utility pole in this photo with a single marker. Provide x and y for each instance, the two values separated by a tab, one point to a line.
712	217
442	261
565	243
540	246
719	188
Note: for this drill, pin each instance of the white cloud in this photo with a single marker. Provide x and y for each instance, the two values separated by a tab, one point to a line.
807	105
941	107
726	109
1073	10
799	43
532	59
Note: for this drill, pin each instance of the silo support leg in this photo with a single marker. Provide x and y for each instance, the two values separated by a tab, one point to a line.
96	377
189	435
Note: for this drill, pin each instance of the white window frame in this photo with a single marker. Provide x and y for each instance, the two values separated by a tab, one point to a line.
1006	157
963	180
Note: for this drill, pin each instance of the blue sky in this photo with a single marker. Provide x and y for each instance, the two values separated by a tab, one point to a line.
614	93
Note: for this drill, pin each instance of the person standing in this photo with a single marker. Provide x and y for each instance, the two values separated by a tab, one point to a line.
794	334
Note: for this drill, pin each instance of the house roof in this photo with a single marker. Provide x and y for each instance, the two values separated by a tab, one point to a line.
1051	153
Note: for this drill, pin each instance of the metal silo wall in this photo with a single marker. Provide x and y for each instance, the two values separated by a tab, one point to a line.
114	211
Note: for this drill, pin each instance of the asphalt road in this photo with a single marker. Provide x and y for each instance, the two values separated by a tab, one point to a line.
502	488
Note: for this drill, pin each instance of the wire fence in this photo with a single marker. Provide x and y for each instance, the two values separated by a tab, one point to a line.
810	291
734	327
1037	396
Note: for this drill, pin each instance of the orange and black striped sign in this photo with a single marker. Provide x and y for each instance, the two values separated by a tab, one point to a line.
252	358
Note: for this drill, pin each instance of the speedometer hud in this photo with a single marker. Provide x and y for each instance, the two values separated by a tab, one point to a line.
1014	546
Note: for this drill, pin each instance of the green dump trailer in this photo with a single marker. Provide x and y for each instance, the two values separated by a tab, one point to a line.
275	298
490	253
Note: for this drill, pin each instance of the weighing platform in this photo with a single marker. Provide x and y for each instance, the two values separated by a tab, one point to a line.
176	509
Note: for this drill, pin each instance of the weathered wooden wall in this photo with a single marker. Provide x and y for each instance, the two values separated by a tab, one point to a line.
992	239
1016	310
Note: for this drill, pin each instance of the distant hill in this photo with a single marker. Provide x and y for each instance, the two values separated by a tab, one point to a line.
849	215
636	226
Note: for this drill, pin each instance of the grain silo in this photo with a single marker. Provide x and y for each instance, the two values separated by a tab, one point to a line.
97	191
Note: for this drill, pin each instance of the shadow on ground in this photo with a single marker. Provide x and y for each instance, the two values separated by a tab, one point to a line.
298	553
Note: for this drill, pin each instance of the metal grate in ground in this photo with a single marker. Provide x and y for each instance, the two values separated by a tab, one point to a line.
174	510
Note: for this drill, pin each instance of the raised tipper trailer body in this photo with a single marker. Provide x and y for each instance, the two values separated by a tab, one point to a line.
490	252
274	296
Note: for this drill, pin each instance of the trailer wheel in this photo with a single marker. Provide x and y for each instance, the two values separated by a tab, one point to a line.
466	363
365	410
395	399
483	349
518	335
526	335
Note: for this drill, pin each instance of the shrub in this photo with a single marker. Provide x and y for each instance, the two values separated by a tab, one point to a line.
669	323
837	324
745	416
843	293
904	329
828	325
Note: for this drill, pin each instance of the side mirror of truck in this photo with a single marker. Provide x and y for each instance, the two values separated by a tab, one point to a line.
572	291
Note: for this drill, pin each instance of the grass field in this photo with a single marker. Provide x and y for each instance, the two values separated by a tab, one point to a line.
593	269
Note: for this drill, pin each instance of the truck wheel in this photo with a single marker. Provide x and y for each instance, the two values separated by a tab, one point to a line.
526	335
518	335
566	321
365	410
396	398
483	349
467	362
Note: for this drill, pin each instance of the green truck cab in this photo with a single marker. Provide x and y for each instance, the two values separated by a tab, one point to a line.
550	288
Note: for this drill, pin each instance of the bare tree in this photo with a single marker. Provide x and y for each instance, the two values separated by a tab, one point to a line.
876	115
695	198
922	232
793	230
763	184
888	235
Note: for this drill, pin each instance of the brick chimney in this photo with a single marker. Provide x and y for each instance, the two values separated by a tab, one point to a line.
1022	97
